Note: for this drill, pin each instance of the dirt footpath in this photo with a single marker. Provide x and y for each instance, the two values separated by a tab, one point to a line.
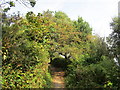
57	77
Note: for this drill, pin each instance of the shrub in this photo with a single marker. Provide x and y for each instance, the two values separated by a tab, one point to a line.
101	75
36	77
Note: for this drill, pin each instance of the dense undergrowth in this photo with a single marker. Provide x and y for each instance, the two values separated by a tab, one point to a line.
30	43
33	78
25	58
104	74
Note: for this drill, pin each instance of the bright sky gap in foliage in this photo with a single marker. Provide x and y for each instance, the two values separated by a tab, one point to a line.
98	13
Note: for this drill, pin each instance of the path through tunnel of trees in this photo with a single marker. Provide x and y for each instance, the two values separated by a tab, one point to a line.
32	41
60	63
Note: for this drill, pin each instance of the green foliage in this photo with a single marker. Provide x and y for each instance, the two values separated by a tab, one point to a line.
32	3
97	48
6	9
101	75
35	77
30	43
25	58
114	38
82	26
11	3
62	17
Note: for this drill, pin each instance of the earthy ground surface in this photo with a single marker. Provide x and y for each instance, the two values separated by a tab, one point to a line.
57	77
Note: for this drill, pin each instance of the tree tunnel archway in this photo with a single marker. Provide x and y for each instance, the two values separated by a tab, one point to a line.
60	62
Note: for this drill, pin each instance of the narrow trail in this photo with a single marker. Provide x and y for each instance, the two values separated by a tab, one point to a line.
57	77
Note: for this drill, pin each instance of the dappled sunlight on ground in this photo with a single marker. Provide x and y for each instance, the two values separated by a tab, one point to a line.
58	77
